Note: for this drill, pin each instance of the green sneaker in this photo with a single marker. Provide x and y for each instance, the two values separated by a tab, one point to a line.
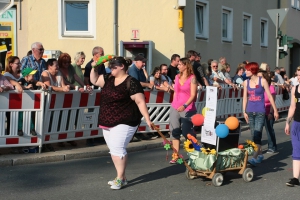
124	182
117	184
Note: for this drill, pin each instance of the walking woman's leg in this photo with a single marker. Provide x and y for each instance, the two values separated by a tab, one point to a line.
175	128
121	135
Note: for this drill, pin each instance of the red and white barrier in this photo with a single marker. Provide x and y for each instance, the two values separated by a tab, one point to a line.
71	116
29	103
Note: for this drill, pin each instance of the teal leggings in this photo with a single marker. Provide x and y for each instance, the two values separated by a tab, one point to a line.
20	122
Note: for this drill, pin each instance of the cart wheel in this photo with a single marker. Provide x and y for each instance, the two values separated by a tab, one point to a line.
217	179
248	175
188	175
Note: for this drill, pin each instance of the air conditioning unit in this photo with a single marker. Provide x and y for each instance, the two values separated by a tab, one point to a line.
51	54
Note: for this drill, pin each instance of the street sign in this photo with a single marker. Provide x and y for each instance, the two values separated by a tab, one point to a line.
273	15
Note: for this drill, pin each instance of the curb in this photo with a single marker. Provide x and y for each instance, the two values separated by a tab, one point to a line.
82	153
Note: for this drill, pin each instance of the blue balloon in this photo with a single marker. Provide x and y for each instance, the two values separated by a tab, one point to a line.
222	130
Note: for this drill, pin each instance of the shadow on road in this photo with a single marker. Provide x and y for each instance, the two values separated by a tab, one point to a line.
159	174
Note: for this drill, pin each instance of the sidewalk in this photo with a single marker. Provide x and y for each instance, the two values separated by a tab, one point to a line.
82	151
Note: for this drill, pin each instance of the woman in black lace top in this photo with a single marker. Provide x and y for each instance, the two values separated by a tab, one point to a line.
122	106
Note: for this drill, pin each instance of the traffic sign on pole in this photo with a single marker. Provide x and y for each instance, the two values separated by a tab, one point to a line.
273	15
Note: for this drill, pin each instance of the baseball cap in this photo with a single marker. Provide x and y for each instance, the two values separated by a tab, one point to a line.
140	58
28	71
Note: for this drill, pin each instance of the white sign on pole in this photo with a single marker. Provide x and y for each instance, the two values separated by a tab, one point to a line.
208	134
273	15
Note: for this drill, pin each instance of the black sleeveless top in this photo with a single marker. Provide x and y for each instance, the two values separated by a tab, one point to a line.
297	110
116	106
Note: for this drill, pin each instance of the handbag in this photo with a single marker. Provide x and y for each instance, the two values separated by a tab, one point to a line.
285	94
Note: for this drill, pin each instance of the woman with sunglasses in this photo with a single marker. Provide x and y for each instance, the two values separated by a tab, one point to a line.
68	72
122	106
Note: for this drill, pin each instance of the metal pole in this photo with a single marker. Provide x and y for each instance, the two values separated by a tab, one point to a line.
277	40
115	29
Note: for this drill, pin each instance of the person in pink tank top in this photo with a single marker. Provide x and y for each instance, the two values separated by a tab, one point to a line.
183	105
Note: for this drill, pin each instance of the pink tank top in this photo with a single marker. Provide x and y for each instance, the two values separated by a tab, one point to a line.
182	94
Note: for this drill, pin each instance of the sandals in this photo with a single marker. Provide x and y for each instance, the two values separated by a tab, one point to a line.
173	161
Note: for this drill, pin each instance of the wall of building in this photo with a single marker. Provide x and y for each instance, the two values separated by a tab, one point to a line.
156	20
234	51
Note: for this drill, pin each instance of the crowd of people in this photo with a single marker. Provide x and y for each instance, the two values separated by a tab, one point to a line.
123	83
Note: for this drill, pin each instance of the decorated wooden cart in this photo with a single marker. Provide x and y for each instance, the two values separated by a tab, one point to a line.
213	162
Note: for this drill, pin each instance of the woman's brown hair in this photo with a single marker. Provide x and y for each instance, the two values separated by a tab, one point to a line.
64	57
189	66
10	60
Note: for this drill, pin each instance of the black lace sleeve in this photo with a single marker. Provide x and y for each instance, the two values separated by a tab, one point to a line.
135	87
106	77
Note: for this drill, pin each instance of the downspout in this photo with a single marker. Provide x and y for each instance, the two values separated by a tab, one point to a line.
20	18
7	7
115	42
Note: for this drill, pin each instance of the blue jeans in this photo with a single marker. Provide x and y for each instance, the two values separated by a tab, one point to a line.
256	124
270	133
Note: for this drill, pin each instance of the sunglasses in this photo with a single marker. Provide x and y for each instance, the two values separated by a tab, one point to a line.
214	66
41	49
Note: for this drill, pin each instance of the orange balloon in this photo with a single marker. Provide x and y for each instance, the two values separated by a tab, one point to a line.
232	123
197	119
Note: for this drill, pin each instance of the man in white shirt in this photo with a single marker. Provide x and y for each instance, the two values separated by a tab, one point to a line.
218	77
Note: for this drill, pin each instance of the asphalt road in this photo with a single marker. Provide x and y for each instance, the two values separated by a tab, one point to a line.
150	177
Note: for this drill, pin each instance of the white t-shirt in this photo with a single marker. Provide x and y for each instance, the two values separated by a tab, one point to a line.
294	81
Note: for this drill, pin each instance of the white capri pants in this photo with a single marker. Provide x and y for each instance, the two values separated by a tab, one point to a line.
118	137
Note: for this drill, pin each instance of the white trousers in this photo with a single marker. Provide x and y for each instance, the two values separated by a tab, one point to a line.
117	138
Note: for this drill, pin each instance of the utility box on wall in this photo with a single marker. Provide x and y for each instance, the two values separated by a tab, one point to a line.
51	54
132	49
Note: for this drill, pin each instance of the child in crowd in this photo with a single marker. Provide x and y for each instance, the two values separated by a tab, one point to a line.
28	82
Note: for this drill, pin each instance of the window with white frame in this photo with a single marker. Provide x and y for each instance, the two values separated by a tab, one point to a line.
77	18
263	32
227	18
202	19
247	28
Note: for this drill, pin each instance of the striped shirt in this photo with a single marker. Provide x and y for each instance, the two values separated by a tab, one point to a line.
31	61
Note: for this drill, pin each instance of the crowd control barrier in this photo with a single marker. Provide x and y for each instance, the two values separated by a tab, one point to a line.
59	117
28	105
71	116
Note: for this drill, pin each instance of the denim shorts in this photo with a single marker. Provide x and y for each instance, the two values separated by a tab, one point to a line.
256	124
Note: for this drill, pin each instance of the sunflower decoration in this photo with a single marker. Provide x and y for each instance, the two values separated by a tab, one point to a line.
208	151
251	144
188	146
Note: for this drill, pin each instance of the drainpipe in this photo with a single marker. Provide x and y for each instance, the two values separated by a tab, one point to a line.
115	42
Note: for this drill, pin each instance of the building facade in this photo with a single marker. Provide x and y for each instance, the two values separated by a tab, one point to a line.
238	30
